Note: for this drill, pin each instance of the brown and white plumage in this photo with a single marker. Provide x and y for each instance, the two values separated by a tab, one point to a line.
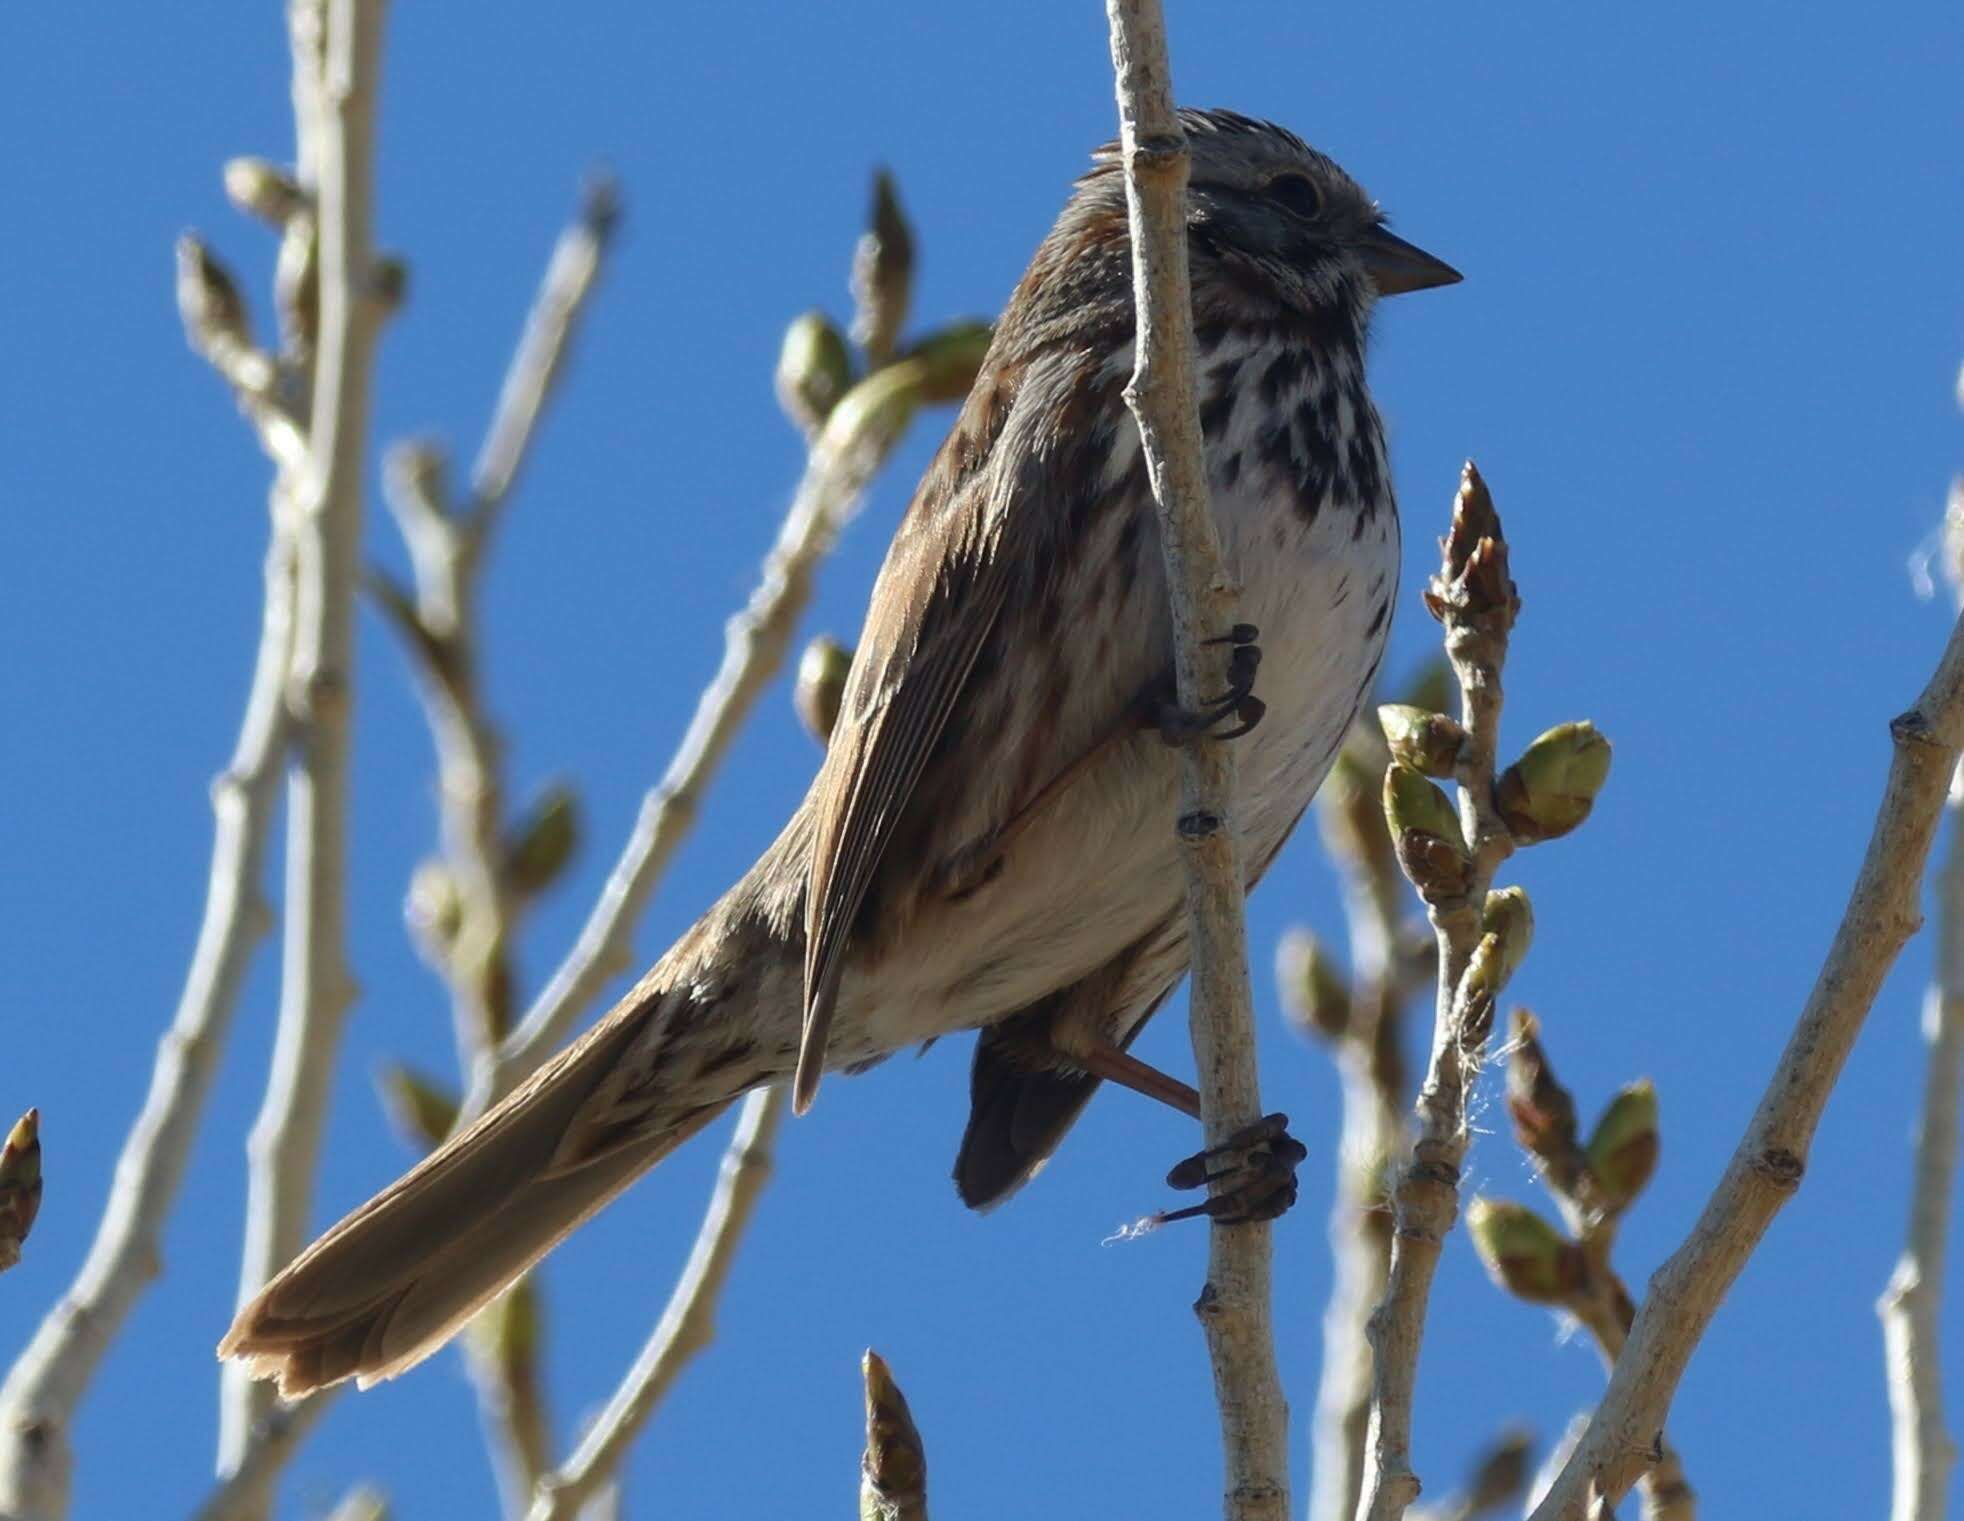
1015	631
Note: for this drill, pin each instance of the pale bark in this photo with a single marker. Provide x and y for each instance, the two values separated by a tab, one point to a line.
1922	1451
316	985
687	1325
1767	1167
1425	1194
1235	1302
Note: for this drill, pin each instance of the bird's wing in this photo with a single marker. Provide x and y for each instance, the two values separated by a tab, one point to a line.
937	599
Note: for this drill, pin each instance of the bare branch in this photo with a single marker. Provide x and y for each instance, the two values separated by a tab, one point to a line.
440	632
316	986
47	1382
687	1325
1594	1184
856	440
542	352
1234	1304
269	1446
1921	1448
1365	1047
1473	597
1772	1155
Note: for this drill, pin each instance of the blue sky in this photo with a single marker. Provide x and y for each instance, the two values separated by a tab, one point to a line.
1704	353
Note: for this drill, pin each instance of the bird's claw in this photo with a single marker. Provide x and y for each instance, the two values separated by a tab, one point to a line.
1179	726
1255	1168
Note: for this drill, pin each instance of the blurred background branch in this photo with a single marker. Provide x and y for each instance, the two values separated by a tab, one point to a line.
1922	1450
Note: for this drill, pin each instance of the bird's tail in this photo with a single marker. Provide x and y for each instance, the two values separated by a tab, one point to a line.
396	1279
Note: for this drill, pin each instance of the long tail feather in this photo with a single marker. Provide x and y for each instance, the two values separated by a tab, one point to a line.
393	1281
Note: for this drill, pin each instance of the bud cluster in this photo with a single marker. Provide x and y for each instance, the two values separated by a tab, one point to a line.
1595	1180
844	402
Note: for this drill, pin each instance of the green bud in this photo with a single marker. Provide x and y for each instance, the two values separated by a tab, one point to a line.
1522	1252
1623	1148
262	189
208	297
814	370
1509	917
821	685
949	358
893	1474
882	273
1552	787
873	414
1427	742
1350	814
1542	1110
1479	989
434	909
20	1185
421	1109
1425	831
1314	994
543	841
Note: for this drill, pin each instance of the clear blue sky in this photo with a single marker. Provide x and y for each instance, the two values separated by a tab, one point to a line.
1704	353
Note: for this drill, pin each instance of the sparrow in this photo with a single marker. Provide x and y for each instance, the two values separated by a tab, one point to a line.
988	844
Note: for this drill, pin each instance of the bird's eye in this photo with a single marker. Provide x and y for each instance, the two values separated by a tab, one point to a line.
1297	193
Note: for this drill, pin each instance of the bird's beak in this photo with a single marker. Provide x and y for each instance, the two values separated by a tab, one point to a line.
1396	266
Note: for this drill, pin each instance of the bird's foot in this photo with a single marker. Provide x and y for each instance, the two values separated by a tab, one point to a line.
1256	1167
1179	726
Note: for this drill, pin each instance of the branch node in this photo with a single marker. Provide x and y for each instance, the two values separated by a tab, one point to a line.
1780	1167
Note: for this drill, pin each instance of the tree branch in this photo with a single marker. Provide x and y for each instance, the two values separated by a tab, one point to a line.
269	1447
855	441
316	986
441	636
1363	1032
1473	597
1772	1155
1922	1451
47	1382
687	1325
1234	1304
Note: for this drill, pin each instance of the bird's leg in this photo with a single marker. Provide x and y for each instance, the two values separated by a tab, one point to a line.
1257	1164
1179	726
1156	708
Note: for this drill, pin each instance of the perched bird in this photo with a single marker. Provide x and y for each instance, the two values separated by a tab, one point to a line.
988	844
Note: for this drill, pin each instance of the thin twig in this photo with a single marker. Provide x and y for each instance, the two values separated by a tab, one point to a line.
316	985
686	1326
441	635
1921	1448
268	1448
844	458
47	1382
1767	1168
1473	596
1366	1052
542	351
1234	1304
1593	1184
